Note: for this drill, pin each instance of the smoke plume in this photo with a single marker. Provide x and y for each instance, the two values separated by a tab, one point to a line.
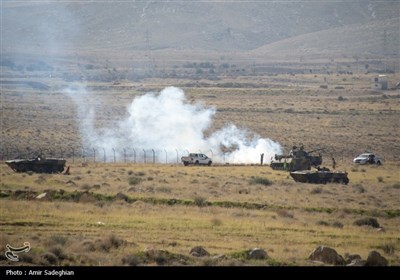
165	126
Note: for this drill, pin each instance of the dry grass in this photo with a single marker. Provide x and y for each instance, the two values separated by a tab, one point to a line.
289	227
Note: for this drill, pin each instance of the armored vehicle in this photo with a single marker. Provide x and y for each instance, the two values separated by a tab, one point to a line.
38	165
298	159
320	176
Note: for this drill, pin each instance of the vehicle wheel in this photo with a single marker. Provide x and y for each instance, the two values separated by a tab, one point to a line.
185	163
196	163
209	163
379	162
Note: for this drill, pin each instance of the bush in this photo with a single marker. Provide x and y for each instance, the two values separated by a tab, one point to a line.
316	190
200	201
387	248
134	181
367	222
131	260
260	181
322	223
337	225
49	259
396	186
359	188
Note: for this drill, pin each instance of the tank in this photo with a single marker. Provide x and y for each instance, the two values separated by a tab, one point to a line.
38	165
320	176
297	159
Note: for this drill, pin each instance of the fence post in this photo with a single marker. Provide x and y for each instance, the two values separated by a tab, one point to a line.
83	154
154	156
124	155
134	155
177	156
144	156
73	155
94	155
114	154
104	153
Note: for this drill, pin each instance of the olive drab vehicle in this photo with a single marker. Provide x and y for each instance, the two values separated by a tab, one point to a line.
320	176
38	165
297	159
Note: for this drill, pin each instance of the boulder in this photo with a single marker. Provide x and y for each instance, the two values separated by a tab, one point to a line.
41	196
375	259
353	257
357	262
326	255
258	254
199	251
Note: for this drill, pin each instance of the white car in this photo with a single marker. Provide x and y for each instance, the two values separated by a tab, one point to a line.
368	158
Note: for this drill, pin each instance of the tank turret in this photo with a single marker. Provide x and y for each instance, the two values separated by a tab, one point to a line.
297	159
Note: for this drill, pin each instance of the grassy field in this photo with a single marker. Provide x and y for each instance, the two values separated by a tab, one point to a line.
121	212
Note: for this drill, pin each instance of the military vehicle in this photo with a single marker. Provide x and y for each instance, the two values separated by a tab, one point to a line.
38	165
298	159
320	176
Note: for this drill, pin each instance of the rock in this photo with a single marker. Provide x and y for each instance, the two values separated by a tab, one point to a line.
41	196
357	262
199	251
70	182
258	254
326	255
121	196
351	258
375	259
219	257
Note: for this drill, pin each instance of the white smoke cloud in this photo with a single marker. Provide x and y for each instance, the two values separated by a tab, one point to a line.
167	124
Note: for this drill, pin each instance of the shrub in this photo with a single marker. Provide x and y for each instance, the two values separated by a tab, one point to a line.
216	222
58	251
131	260
200	201
316	190
49	259
260	181
134	181
367	222
380	179
387	248
57	239
322	223
359	188
396	186
337	225
284	213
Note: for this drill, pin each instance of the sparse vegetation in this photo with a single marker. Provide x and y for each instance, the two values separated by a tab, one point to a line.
261	181
372	222
134	181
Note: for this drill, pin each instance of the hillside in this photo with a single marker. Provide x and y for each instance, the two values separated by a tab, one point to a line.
60	28
374	38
